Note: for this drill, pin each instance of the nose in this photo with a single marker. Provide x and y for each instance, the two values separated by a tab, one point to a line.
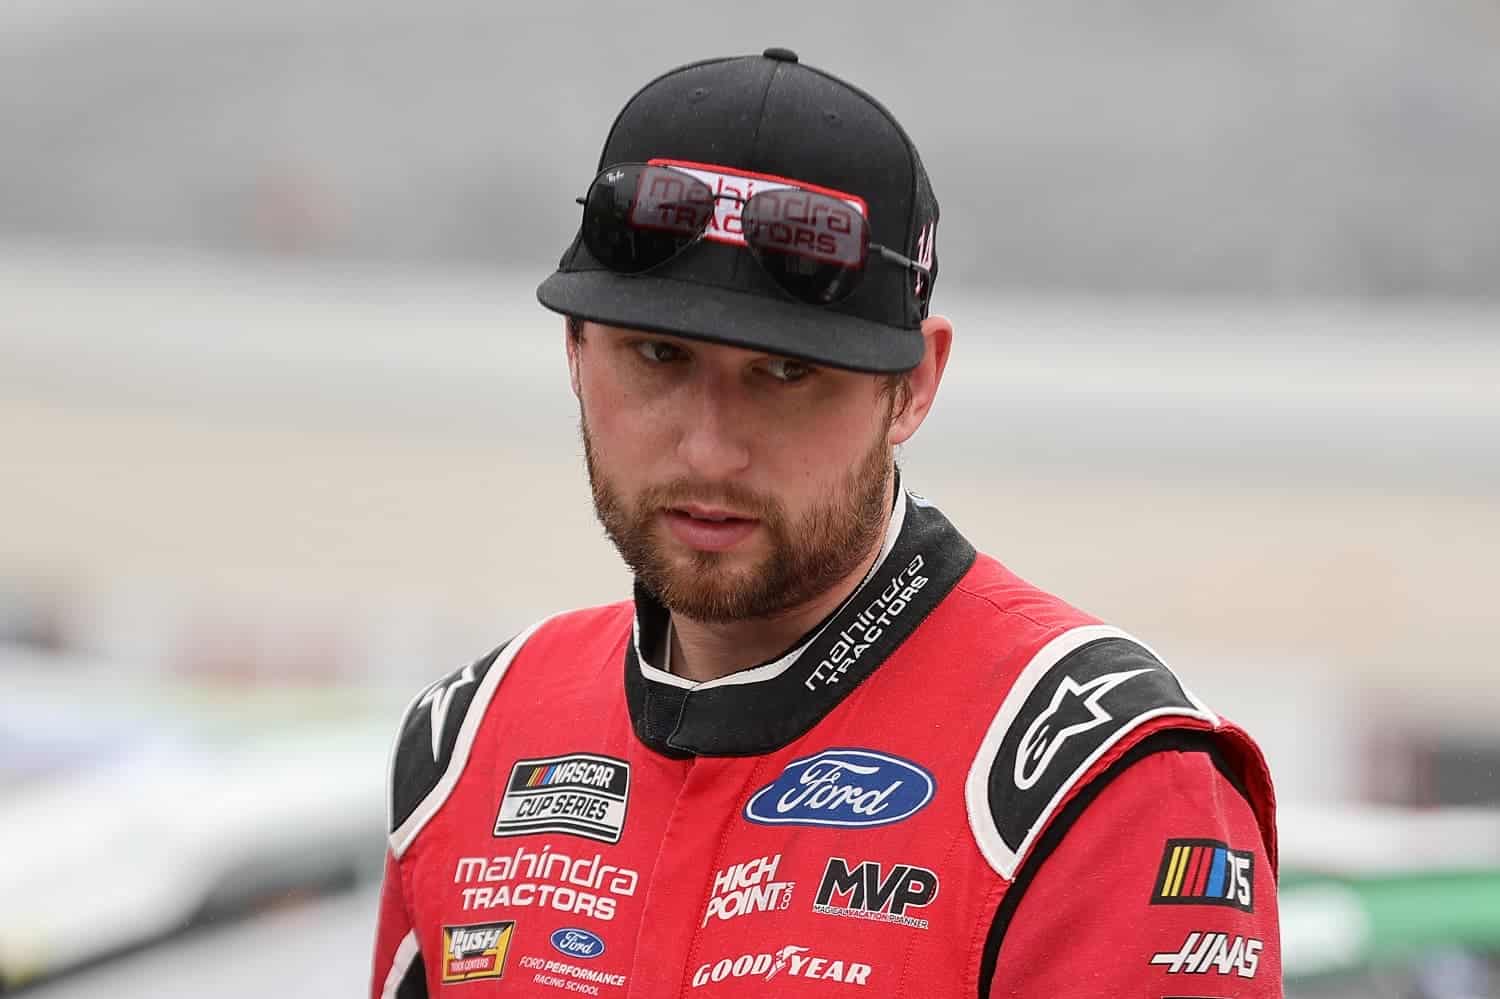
715	436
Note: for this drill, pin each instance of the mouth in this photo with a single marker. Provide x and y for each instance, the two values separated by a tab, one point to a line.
712	514
709	528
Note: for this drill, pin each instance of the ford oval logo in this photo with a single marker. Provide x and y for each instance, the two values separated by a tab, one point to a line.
577	943
843	787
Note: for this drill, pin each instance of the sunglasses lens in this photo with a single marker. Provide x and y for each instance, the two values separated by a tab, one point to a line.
813	244
637	216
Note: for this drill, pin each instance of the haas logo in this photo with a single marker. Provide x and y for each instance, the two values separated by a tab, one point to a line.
1074	709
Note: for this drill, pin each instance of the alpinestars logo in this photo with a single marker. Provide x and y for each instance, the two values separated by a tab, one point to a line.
868	892
476	951
439	697
1216	952
1074	709
748	887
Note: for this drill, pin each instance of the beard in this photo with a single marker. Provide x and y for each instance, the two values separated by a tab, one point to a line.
806	557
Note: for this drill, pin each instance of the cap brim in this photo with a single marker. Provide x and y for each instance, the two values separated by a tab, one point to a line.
736	318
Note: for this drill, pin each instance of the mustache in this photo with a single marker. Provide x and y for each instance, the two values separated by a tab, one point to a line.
723	494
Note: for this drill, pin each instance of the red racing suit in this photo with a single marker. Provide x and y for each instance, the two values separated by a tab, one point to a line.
956	786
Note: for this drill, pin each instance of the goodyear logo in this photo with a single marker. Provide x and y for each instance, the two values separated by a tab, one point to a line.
1205	872
475	952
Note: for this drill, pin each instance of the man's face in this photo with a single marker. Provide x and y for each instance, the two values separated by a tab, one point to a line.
735	484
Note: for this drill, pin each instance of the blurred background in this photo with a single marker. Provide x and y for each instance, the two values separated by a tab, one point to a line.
285	435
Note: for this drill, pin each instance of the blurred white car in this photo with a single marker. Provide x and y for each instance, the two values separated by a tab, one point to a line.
123	829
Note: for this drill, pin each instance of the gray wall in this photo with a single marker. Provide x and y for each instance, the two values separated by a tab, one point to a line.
1285	147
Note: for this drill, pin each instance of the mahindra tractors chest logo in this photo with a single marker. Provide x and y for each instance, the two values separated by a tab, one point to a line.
843	787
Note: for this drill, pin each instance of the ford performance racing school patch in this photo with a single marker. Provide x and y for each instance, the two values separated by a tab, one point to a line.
579	794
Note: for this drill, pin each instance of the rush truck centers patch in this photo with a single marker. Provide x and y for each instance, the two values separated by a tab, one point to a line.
579	794
471	953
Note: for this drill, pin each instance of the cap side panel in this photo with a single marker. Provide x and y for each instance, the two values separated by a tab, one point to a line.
921	185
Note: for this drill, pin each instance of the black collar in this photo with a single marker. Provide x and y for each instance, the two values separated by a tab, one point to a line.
763	708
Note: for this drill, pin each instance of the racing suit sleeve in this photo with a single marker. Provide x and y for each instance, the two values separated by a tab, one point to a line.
1162	886
397	971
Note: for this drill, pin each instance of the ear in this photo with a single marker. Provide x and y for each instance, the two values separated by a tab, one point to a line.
572	344
923	380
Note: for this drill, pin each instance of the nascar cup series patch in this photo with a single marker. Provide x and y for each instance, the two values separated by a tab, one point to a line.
1205	872
475	952
579	794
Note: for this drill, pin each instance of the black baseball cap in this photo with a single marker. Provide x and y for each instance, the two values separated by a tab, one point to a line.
768	116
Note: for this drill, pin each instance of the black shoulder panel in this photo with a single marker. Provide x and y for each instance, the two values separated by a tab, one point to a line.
1167	740
414	982
1082	693
1090	696
428	735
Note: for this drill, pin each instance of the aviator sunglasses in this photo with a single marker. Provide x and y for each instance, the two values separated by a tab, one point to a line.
814	245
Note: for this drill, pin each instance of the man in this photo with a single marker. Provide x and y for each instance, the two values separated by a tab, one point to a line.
827	749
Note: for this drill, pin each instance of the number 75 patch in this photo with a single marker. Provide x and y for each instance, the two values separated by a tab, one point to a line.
1205	872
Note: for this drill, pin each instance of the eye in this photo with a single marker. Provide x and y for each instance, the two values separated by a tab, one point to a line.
784	369
659	351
